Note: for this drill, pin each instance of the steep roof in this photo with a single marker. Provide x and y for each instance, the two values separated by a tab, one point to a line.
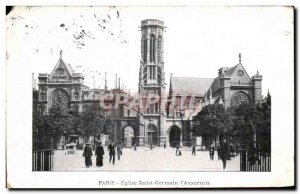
232	74
215	85
61	63
231	71
190	85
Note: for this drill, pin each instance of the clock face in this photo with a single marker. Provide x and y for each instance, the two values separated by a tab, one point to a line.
240	73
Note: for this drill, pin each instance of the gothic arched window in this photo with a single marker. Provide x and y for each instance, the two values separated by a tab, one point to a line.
239	98
159	49
152	48
145	51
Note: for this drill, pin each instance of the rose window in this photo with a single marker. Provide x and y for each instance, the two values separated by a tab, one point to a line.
239	98
60	98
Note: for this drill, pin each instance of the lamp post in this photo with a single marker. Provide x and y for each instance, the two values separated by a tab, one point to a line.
181	115
151	132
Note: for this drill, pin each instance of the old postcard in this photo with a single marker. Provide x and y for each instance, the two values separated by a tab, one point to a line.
150	97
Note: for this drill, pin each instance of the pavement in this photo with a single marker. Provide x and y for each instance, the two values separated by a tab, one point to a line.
144	159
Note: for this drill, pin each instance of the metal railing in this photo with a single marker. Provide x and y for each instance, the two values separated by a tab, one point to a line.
256	162
42	160
240	84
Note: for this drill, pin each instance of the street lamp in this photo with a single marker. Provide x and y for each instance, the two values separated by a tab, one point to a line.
181	114
151	132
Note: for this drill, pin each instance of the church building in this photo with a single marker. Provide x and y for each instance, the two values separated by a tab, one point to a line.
153	124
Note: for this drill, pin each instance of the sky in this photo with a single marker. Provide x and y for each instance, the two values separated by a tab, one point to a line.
197	41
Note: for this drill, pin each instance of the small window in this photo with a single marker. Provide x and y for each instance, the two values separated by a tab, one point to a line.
43	95
76	95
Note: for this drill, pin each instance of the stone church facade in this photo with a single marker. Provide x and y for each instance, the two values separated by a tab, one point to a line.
152	125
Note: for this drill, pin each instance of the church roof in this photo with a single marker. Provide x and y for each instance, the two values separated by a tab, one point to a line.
68	66
230	71
215	85
190	85
61	63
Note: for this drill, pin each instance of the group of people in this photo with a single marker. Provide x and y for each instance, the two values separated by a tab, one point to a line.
113	149
99	152
222	152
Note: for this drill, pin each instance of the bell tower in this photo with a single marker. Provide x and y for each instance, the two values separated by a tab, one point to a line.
152	56
151	82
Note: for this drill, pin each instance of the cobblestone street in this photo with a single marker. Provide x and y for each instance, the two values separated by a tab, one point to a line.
144	159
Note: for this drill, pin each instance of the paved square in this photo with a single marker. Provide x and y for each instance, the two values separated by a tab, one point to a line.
144	159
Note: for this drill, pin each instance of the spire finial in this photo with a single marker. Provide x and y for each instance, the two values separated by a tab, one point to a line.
60	53
240	58
257	73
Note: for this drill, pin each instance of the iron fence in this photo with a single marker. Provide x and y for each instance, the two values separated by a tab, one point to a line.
42	160
255	161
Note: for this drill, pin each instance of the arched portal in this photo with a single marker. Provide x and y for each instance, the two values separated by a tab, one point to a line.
152	134
174	136
128	136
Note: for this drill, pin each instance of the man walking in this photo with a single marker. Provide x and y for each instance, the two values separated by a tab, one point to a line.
224	153
87	154
99	153
211	152
194	150
112	152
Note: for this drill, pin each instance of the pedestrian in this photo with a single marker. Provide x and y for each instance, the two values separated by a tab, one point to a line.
99	153
134	147
180	154
87	154
112	152
165	145
119	151
194	150
151	146
223	154
211	152
177	150
122	148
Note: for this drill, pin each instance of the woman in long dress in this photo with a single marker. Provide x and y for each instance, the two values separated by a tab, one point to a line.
87	154
99	153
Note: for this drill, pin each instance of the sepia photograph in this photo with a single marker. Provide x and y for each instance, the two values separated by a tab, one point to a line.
151	93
